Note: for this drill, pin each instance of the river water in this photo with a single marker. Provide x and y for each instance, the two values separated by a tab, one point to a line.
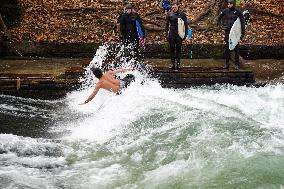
148	137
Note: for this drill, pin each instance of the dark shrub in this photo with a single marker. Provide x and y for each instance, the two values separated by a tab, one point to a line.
11	12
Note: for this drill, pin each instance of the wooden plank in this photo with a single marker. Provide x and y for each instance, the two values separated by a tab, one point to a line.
202	75
195	76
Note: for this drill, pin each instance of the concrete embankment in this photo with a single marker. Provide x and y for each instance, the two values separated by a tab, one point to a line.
28	48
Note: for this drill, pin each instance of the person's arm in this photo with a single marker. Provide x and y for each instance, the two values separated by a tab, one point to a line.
119	71
122	26
167	24
118	23
219	18
91	96
242	19
184	18
142	26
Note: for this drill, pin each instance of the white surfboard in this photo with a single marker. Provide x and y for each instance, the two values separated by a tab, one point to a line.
181	28
235	34
236	31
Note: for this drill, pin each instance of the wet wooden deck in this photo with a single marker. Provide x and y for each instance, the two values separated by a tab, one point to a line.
196	76
38	85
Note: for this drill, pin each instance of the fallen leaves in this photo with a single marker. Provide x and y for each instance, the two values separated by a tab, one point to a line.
94	21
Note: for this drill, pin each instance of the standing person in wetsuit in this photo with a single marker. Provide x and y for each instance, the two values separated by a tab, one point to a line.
128	26
175	41
231	14
108	82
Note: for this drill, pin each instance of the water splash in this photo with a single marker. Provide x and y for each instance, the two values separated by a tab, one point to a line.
149	137
115	56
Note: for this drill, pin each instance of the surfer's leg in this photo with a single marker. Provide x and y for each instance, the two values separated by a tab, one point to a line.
237	59
127	80
227	50
136	49
178	50
227	56
172	50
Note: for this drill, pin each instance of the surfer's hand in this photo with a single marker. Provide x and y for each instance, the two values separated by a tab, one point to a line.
223	27
83	103
220	26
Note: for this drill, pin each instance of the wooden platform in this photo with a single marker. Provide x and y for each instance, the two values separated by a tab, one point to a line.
196	76
40	86
55	84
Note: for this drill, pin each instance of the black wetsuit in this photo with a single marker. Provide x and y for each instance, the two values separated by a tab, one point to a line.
128	27
175	41
130	36
125	82
231	15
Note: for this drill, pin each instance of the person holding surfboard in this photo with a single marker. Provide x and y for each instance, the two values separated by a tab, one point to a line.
231	14
129	30
176	29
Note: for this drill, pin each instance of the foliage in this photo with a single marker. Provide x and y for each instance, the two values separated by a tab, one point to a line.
89	21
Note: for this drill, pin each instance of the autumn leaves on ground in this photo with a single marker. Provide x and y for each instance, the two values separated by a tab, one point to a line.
94	21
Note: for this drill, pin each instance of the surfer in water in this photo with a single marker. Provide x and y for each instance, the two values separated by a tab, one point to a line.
175	40
108	82
231	14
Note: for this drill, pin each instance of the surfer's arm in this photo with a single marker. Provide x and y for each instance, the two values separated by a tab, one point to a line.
242	19
219	18
167	25
120	71
94	93
186	25
141	24
122	26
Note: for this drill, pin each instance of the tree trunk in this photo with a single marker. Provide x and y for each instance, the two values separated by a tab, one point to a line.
3	27
214	7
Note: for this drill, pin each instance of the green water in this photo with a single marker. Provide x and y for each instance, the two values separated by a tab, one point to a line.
149	137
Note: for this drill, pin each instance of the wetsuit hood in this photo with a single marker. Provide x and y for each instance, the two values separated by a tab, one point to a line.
232	2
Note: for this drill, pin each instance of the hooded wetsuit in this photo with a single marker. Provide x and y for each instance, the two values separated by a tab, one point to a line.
231	15
175	40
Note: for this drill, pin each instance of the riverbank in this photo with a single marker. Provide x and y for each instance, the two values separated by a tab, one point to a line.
158	50
49	78
264	69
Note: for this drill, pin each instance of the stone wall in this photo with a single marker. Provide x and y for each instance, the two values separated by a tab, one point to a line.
27	48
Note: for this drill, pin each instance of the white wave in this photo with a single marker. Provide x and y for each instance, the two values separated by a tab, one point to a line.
25	146
149	137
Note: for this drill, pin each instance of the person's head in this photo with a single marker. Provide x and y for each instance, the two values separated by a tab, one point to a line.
230	3
174	7
128	8
97	72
